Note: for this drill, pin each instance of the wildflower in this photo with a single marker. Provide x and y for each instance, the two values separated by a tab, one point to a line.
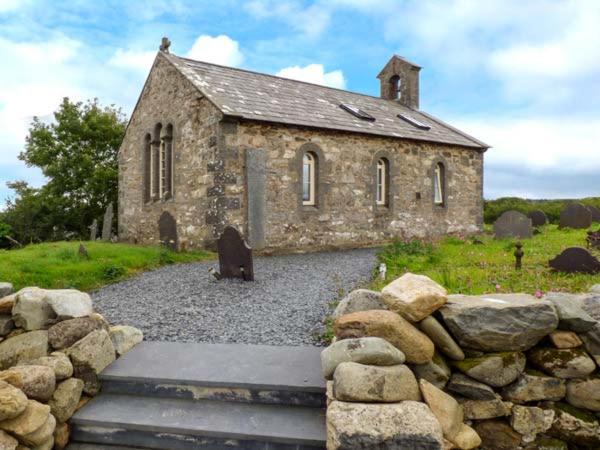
538	293
498	287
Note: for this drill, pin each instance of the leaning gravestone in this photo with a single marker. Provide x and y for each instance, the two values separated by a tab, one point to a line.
595	213
235	255
576	260
167	230
93	230
538	218
513	224
108	222
575	215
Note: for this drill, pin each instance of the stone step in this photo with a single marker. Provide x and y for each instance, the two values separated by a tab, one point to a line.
76	446
225	372
177	424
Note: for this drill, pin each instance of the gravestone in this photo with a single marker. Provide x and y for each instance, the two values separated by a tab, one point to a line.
595	212
513	224
167	231
108	223
538	218
576	260
93	230
575	215
235	255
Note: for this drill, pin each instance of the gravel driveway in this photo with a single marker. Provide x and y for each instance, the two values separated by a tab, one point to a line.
284	306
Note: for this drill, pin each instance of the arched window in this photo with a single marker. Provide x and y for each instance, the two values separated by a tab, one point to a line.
395	85
382	182
166	163
439	184
146	161
309	179
155	163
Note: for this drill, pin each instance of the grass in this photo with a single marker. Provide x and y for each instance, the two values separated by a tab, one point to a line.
462	266
58	265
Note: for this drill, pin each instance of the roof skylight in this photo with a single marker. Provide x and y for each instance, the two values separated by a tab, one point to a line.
357	112
414	122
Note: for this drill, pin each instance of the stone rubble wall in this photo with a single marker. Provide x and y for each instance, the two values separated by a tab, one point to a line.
52	348
412	367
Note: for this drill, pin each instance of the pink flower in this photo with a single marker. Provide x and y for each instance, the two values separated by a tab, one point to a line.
498	287
538	293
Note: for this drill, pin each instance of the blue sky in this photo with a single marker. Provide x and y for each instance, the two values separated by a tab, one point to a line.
522	76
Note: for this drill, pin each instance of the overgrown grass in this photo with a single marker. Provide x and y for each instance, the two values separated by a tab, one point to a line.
463	266
58	265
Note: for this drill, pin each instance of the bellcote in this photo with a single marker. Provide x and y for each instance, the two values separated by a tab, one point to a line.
400	82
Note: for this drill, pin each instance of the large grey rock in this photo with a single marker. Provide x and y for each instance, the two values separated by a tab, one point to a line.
445	408
12	401
6	304
441	338
37	382
41	436
391	426
591	342
584	393
24	347
32	418
125	337
414	297
368	350
57	361
66	333
90	356
532	388
6	289
469	388
595	289
6	325
31	311
353	382
496	434
562	363
591	305
575	426
359	300
498	322
69	303
435	371
485	409
494	369
66	398
571	315
530	421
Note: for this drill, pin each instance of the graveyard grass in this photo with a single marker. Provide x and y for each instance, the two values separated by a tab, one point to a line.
58	265
464	267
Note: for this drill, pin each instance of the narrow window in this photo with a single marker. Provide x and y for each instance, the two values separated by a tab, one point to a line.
163	168
147	164
308	179
395	86
168	168
382	182
155	163
438	184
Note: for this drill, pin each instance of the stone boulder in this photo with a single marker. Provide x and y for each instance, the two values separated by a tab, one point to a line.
576	426
547	443
69	303
359	300
12	401
7	442
6	304
562	363
37	382
6	325
591	305
368	350
31	311
584	393
595	289
535	387
416	346
467	438
62	434
6	289
571	315
445	408
467	387
530	421
485	409
353	382
32	418
435	371
124	338
57	361
360	426
66	333
494	369
441	338
66	398
565	339
89	357
24	347
414	297
42	435
497	435
498	322
591	342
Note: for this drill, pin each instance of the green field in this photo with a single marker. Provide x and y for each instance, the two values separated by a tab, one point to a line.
464	267
58	265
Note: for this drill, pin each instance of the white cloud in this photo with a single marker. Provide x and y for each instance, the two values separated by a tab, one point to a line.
311	20
133	60
9	5
314	73
217	50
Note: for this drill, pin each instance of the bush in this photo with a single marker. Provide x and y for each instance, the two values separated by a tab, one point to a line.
113	272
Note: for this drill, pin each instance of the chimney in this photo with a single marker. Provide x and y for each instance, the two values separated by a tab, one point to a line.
400	82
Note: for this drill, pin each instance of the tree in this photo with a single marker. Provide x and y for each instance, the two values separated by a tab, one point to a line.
78	154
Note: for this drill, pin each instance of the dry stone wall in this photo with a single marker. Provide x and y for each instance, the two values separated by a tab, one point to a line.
52	348
414	367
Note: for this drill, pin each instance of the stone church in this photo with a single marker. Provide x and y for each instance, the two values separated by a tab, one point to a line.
293	165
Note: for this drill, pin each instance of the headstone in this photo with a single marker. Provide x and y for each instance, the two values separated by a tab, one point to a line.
167	231
575	215
235	255
595	213
108	222
94	230
513	224
576	259
83	251
538	218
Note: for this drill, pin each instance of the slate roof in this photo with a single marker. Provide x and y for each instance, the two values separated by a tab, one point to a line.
257	96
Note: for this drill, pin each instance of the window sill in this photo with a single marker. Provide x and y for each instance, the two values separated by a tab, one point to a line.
309	209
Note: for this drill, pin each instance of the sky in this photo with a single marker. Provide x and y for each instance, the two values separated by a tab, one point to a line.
523	76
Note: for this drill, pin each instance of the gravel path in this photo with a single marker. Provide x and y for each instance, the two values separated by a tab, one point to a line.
284	306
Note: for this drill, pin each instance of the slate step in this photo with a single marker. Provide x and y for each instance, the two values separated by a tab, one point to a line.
225	372
177	424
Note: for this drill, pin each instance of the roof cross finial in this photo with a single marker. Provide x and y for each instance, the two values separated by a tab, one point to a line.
165	43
